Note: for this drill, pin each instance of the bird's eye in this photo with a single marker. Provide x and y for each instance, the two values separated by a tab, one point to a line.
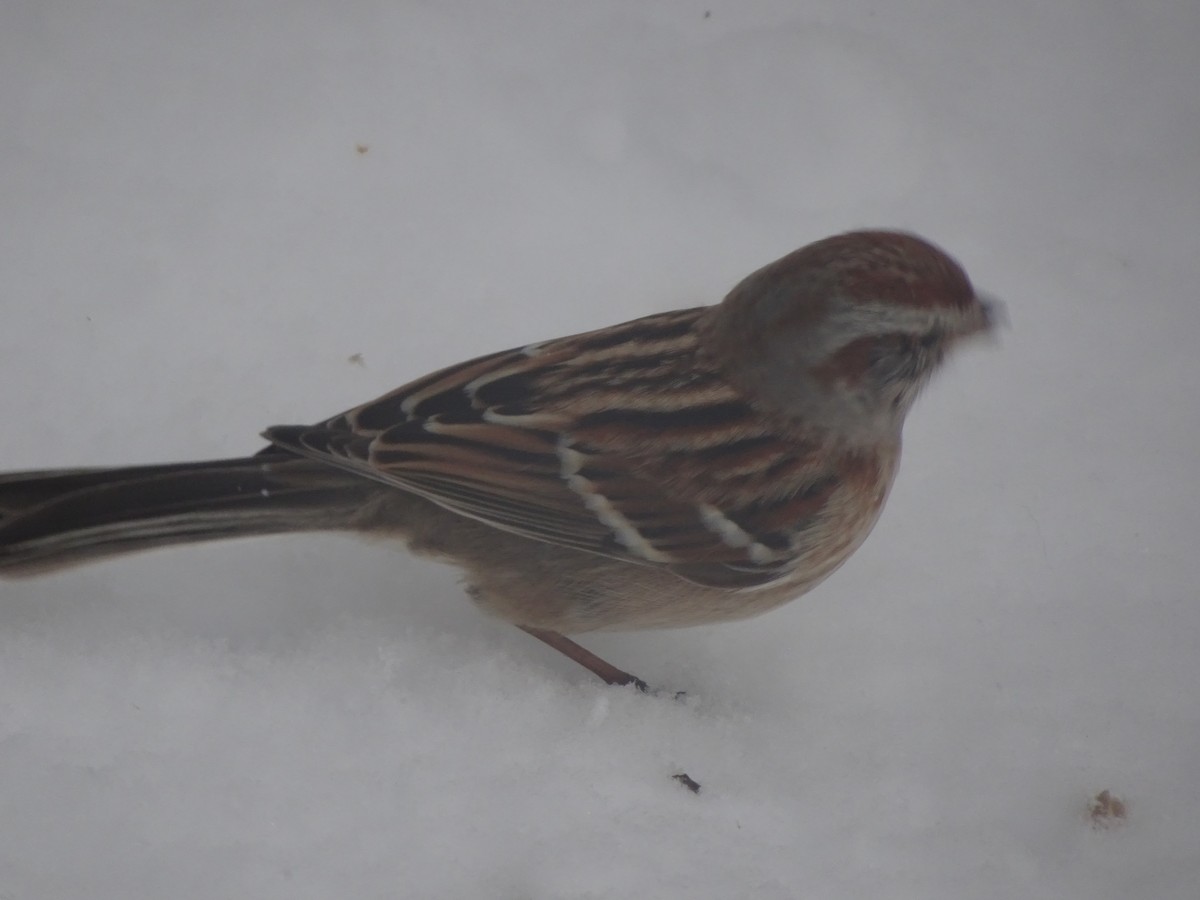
904	357
892	356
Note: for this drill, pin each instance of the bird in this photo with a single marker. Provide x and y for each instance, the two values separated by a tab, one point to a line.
688	467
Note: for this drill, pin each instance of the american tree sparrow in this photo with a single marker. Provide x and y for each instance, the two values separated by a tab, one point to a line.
687	467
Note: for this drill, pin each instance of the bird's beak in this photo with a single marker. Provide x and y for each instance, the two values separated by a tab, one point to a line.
992	315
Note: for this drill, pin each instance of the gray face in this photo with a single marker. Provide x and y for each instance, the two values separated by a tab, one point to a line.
849	330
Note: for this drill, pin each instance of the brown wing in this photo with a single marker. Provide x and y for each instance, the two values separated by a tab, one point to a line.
614	442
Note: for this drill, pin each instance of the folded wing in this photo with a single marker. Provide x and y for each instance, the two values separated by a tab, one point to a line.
615	442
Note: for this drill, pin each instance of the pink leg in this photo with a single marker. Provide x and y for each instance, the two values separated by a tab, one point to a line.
606	671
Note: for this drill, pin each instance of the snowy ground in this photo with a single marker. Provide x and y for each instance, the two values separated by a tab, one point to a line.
218	216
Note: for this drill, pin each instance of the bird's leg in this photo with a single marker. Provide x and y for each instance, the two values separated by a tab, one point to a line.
606	671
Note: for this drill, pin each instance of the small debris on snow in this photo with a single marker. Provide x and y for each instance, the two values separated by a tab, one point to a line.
1106	810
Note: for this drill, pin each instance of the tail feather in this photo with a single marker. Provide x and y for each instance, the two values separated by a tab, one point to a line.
52	519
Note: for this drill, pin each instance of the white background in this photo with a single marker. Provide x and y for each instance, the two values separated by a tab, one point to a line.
192	247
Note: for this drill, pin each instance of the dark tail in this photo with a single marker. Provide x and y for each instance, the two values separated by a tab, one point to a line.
59	518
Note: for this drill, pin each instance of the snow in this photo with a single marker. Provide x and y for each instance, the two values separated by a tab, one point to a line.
219	216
